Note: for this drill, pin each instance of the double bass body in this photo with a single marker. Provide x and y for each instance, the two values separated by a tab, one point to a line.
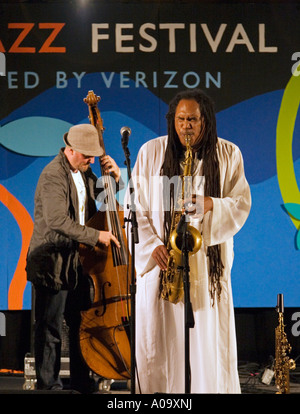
104	330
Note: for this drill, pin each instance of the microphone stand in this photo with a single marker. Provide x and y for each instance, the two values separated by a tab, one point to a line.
134	240
188	309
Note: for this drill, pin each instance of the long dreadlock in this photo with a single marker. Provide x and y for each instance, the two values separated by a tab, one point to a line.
207	151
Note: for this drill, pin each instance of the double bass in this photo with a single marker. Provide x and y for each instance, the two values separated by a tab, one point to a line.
104	329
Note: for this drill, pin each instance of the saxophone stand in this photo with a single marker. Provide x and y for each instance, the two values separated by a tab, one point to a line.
125	132
188	309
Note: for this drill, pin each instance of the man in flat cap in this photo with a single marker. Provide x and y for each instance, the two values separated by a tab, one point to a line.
64	200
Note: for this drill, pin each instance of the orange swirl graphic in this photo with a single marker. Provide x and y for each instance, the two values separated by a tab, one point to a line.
25	223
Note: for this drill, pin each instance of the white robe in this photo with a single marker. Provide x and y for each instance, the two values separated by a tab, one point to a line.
160	324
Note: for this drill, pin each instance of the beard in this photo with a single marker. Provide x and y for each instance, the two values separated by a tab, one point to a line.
83	167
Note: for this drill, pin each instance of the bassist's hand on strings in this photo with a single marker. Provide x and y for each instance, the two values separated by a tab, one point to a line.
110	167
105	237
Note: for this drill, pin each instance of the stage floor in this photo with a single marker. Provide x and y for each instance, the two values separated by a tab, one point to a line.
251	379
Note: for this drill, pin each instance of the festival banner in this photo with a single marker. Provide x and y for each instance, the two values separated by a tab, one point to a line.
136	57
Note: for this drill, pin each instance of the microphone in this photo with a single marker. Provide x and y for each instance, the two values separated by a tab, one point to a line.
125	132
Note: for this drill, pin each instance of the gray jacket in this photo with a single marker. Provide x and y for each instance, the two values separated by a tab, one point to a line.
53	257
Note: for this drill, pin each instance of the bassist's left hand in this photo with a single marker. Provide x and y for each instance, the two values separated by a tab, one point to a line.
110	166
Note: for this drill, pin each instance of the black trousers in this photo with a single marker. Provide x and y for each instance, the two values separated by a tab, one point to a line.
51	309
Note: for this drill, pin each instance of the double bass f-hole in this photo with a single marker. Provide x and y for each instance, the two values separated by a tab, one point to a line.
97	312
104	300
104	329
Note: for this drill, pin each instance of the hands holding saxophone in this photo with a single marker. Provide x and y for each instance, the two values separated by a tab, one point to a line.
197	206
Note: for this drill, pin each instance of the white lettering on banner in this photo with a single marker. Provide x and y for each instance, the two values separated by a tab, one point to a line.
120	38
2	324
168	79
262	41
124	37
214	43
172	39
240	37
171	75
146	36
296	66
31	80
11	79
62	82
296	325
96	36
107	81
2	64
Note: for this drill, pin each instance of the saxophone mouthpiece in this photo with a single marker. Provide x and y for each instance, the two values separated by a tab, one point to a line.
188	138
280	306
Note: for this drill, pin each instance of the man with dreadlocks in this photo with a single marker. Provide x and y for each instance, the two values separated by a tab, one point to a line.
226	201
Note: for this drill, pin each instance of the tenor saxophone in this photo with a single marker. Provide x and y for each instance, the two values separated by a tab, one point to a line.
283	364
172	278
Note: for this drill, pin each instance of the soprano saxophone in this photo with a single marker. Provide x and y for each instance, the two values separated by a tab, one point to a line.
172	278
283	364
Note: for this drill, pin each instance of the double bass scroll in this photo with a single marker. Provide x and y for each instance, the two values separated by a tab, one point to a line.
104	330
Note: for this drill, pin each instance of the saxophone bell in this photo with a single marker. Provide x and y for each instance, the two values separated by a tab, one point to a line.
192	237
